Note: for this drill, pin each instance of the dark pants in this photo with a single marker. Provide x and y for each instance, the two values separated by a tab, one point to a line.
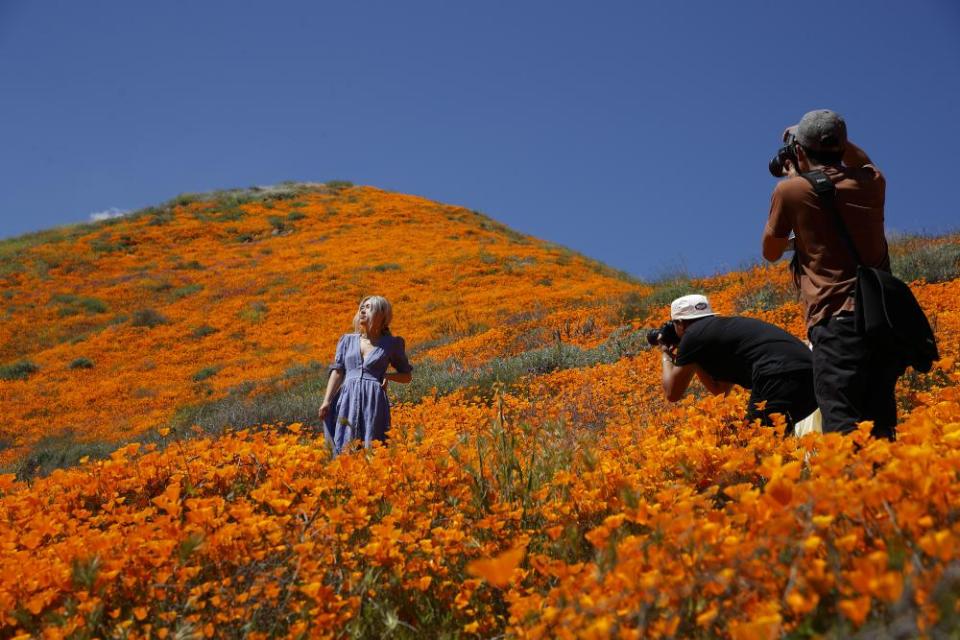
855	378
790	394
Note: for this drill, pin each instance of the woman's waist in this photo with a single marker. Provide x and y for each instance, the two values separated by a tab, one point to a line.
362	376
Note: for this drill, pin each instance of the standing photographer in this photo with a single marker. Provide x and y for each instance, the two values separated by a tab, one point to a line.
723	351
854	377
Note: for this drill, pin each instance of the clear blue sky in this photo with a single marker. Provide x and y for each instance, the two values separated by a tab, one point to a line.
635	132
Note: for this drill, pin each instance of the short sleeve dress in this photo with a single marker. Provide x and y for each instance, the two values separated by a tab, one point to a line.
361	410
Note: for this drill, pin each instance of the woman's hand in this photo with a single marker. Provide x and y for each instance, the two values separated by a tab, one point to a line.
395	376
333	388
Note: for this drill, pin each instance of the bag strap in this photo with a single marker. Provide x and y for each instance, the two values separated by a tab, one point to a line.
823	186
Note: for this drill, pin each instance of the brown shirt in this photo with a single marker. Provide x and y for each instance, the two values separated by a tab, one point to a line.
827	270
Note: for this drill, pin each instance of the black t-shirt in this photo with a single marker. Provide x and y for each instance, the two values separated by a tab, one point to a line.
741	350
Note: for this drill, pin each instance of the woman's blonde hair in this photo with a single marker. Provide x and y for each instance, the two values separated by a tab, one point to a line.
381	309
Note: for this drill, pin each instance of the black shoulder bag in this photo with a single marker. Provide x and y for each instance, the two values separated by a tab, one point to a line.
885	308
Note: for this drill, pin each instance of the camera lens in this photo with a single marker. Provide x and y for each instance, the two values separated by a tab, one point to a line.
776	166
779	161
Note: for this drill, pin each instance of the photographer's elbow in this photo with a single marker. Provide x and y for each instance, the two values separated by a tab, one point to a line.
773	248
673	395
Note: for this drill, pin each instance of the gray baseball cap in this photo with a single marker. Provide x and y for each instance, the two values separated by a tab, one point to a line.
822	130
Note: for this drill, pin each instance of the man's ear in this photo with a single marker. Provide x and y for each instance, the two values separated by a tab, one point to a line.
801	156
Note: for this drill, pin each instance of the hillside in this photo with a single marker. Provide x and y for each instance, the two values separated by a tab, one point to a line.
535	484
116	325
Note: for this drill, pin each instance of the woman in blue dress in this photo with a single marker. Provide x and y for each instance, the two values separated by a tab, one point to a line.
355	406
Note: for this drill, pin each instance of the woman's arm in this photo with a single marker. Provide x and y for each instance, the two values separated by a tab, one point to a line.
333	385
398	358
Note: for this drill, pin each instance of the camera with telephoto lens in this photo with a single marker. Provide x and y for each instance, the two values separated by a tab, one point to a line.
787	152
665	335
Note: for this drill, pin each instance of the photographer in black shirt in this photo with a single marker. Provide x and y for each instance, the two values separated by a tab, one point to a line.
724	351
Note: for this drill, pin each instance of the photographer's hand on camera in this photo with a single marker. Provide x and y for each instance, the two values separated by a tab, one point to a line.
669	353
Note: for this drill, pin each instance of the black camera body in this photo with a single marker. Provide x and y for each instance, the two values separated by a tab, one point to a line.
787	152
665	335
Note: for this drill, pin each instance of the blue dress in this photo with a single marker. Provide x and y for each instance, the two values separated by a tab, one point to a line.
360	410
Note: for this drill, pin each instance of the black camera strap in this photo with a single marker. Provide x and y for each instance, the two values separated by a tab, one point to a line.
827	192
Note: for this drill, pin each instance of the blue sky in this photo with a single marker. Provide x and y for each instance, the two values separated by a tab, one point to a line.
635	132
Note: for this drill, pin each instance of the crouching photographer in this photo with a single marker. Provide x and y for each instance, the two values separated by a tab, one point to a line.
723	351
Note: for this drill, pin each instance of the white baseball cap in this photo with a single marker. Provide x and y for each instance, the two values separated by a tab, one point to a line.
690	307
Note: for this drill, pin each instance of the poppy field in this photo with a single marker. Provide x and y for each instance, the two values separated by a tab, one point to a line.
535	484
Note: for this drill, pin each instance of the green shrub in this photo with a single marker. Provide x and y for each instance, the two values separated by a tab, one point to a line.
315	267
148	318
188	290
339	185
14	248
254	312
666	291
105	243
58	452
930	262
298	403
203	331
73	305
225	203
92	305
300	370
206	372
158	286
279	224
386	266
450	375
193	264
183	199
293	216
634	306
20	370
82	363
159	218
286	403
764	298
229	214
